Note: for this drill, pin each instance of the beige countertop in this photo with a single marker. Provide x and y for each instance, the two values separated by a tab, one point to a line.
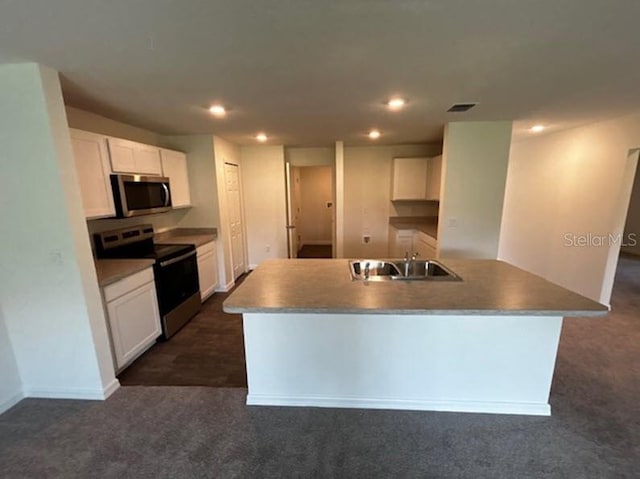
488	287
112	270
196	236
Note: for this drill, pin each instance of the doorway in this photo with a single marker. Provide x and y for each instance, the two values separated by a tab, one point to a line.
310	211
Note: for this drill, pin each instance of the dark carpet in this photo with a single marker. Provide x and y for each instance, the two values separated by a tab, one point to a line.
197	432
315	251
207	351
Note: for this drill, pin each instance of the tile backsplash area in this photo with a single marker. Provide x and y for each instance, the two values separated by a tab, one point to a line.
161	222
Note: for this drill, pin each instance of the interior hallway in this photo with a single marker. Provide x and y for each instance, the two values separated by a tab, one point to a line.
167	432
315	251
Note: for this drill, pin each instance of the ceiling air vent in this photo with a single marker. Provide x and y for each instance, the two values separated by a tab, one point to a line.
459	107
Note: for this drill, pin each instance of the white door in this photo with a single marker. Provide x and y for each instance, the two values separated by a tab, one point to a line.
232	179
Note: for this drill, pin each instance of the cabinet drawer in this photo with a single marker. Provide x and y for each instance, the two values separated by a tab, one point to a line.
206	248
127	284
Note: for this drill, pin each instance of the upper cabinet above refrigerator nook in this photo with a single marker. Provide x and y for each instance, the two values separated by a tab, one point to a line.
416	179
409	179
132	157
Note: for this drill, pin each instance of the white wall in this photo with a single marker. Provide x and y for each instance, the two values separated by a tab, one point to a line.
475	157
202	180
367	195
338	206
574	182
314	225
318	156
48	287
263	189
10	384
88	121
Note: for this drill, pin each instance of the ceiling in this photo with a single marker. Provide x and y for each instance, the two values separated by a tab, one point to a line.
309	72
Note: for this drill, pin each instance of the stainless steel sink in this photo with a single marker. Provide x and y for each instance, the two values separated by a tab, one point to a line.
373	270
400	270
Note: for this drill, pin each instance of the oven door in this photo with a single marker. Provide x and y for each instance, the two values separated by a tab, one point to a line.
176	281
140	195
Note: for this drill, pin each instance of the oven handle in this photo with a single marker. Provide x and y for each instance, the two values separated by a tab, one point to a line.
179	258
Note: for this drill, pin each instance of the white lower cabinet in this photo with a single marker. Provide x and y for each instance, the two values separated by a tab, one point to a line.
400	242
134	318
207	269
424	245
403	241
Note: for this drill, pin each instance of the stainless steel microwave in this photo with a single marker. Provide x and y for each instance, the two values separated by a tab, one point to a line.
136	195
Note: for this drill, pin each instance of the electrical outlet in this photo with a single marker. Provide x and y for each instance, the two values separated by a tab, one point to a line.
267	248
366	239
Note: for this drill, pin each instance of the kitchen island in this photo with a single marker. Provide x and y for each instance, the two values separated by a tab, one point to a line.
315	337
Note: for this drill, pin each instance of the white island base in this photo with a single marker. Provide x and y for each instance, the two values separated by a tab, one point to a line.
463	363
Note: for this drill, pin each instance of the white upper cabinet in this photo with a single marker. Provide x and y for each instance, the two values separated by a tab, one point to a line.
434	177
409	179
174	166
92	166
132	157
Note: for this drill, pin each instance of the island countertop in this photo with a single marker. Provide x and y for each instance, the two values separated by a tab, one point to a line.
488	287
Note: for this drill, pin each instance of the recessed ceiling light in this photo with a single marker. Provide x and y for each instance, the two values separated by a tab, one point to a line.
374	134
536	128
218	110
262	137
396	103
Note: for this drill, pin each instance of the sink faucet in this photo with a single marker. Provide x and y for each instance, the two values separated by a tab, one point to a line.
408	263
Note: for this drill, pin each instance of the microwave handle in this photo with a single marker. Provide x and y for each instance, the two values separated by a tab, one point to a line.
166	194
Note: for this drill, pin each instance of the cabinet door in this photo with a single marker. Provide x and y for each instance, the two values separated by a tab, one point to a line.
174	166
147	160
401	242
92	166
121	153
409	179
135	322
207	272
135	158
424	247
434	177
424	250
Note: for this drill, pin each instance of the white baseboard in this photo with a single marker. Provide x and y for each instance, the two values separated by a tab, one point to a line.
531	409
317	243
12	401
225	288
112	387
252	267
73	393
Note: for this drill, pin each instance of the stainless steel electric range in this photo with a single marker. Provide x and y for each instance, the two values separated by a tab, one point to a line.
175	271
